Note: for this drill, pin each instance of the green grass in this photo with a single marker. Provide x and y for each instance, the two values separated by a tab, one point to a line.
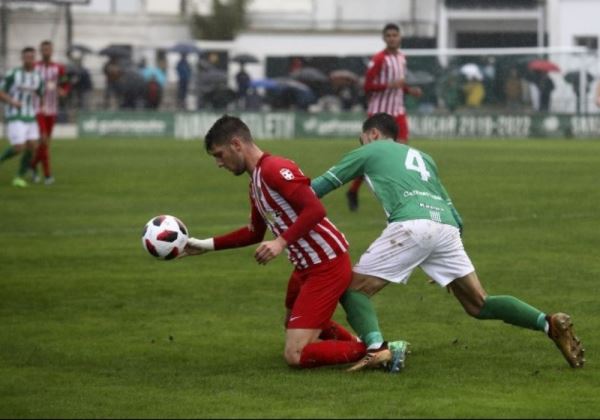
92	327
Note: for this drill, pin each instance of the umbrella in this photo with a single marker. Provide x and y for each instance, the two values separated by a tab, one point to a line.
343	76
213	77
264	83
471	71
286	82
572	77
185	48
543	65
310	74
80	48
115	51
419	77
244	58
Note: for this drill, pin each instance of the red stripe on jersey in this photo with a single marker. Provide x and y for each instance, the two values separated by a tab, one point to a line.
52	73
390	101
324	242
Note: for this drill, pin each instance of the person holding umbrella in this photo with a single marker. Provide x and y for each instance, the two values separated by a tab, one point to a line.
385	86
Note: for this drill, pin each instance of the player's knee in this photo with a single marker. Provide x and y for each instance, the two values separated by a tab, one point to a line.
292	356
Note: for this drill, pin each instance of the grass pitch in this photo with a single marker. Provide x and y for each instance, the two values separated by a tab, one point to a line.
92	327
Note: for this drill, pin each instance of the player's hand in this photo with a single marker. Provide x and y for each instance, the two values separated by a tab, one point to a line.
197	247
415	91
268	250
16	103
397	84
62	92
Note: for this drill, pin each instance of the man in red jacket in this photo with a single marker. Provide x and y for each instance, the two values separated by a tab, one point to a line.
385	87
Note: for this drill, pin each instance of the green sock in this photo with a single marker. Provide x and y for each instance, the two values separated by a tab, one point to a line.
361	316
8	153
25	162
513	311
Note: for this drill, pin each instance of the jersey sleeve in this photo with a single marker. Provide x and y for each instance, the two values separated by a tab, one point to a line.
288	180
7	82
373	71
351	166
63	79
253	233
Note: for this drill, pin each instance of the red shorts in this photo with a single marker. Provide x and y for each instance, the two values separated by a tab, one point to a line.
313	294
46	124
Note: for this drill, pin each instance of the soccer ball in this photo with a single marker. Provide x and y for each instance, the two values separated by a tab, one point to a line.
164	237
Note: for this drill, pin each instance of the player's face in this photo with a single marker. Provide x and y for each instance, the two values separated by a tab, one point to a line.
392	39
46	51
28	59
229	156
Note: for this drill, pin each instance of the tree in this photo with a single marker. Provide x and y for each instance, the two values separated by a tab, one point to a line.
226	20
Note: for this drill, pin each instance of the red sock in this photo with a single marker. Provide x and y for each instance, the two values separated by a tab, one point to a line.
356	185
331	352
45	158
334	331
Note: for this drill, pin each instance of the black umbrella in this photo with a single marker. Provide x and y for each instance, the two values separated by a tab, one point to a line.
572	77
115	51
185	48
244	58
310	75
80	48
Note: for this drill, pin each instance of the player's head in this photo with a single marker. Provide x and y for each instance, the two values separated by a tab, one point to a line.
226	140
379	126
46	50
28	57
391	36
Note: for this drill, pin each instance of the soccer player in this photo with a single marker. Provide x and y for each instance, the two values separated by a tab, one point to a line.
282	200
19	89
57	85
385	87
424	230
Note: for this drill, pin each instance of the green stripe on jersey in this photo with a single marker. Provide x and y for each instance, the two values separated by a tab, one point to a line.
22	86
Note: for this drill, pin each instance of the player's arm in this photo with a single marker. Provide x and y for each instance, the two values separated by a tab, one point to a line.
375	66
351	166
310	212
251	234
5	86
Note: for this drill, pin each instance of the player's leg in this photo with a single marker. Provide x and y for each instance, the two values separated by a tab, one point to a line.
511	310
37	157
311	311
403	132
49	121
450	266
16	137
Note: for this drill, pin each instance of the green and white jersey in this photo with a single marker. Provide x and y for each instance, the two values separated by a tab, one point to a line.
22	86
404	180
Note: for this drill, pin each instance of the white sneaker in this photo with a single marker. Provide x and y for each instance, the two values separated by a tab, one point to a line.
49	180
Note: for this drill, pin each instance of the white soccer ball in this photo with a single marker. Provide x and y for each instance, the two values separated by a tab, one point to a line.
164	237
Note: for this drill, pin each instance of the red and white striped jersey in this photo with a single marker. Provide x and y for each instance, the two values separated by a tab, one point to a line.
384	68
274	181
54	75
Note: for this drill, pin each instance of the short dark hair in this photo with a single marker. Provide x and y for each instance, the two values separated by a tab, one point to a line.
224	129
390	26
27	50
384	123
45	42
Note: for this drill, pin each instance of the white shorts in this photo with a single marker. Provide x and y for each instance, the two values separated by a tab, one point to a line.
402	246
20	132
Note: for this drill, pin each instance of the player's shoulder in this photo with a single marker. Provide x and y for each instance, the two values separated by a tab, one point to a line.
379	56
279	167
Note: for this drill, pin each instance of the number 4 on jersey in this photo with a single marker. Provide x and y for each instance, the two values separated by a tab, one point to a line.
414	162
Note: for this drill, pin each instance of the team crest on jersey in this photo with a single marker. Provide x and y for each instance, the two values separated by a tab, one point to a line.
286	174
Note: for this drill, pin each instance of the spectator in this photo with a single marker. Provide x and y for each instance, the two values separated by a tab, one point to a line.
81	83
242	79
513	90
112	93
184	74
474	92
545	86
